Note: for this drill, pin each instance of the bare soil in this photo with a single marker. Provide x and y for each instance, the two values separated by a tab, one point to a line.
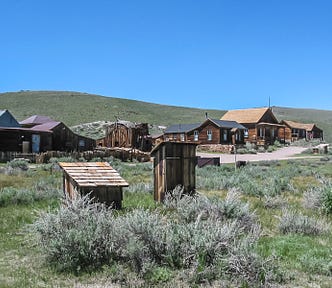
285	153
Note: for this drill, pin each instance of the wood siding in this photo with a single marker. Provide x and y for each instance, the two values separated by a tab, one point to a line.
217	135
128	136
174	164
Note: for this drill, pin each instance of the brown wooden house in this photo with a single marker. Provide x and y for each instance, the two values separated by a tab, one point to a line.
98	178
295	131
261	124
211	131
127	134
174	164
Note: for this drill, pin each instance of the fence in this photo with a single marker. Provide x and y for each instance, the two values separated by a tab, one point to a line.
120	153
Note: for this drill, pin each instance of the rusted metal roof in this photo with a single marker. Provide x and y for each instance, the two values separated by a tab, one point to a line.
93	174
36	119
47	127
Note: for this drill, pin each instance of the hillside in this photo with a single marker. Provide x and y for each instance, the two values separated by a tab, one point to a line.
74	108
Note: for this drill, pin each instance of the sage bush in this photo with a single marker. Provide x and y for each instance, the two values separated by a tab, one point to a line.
297	223
204	239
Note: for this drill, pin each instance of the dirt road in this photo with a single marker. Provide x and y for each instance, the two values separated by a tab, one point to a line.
284	153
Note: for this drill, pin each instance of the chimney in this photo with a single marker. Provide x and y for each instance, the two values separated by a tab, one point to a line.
206	115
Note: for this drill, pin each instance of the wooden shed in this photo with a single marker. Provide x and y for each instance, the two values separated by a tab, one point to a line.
174	164
126	134
99	178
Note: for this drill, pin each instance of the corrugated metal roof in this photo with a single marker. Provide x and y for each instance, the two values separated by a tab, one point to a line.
182	128
253	115
47	127
93	174
36	119
228	124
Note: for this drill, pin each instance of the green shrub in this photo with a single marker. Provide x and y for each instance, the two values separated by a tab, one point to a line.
18	164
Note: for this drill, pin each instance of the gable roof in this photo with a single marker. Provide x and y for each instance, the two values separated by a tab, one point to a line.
253	115
7	119
182	128
36	120
298	125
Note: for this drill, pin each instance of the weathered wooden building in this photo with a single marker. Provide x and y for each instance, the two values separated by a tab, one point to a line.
39	134
127	134
174	164
261	124
211	131
295	131
24	140
61	137
98	178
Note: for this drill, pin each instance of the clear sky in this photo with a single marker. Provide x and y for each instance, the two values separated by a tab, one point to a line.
218	54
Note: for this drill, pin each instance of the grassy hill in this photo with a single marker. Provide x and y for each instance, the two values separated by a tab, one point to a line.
74	108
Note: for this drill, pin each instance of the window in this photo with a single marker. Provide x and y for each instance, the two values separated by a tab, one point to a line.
209	135
246	133
260	132
225	136
182	136
195	135
272	133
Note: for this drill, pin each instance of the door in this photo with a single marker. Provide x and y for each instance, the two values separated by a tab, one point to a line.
35	143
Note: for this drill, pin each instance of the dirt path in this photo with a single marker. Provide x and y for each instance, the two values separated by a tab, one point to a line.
284	153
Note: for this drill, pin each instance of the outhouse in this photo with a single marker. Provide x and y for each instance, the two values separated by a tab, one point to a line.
98	178
174	164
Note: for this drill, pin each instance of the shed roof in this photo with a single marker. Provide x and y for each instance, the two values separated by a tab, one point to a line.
36	119
253	115
93	174
297	125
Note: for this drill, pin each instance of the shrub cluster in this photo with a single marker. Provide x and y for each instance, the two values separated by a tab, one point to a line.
319	197
44	189
256	180
297	223
201	238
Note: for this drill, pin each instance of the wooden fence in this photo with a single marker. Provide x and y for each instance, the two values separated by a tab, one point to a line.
120	153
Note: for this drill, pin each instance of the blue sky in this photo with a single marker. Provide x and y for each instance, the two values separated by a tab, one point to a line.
218	54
